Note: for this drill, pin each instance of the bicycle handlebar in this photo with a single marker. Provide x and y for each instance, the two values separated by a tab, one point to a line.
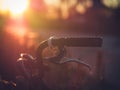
70	42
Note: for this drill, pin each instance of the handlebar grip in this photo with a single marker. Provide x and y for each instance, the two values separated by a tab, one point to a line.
78	42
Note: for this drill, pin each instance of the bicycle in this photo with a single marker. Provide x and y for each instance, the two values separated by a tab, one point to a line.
34	69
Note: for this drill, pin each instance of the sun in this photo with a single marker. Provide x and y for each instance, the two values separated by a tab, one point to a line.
14	7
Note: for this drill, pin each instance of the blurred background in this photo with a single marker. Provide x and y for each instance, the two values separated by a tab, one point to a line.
25	23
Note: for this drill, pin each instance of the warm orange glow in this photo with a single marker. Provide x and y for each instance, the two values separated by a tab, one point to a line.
72	3
52	14
52	2
18	33
14	7
17	28
81	9
83	6
64	11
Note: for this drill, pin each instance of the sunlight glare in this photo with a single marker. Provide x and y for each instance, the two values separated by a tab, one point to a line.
14	7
